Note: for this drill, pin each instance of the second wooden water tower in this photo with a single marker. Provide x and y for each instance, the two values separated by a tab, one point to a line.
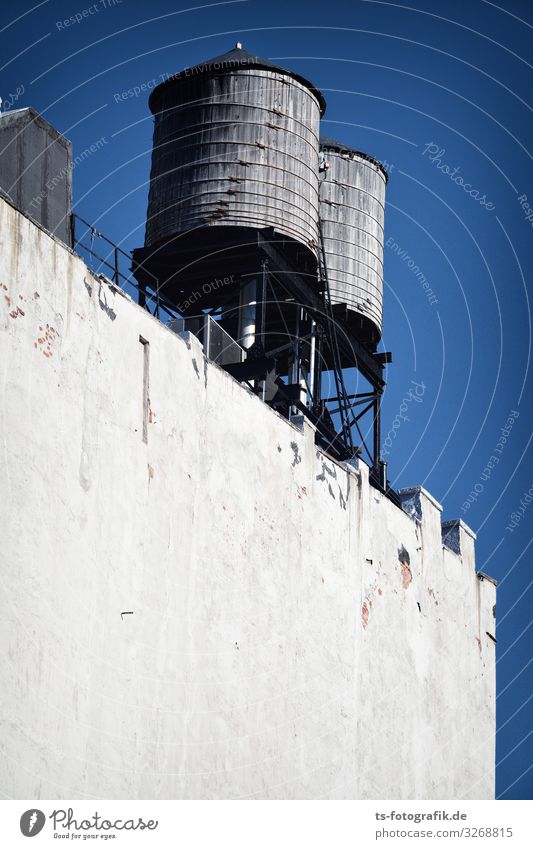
352	216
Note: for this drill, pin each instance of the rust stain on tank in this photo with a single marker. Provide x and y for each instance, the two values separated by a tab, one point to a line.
365	614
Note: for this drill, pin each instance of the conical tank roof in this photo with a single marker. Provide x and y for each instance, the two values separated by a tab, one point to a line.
332	144
235	59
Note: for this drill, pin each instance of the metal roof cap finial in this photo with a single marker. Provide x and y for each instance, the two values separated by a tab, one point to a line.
238	45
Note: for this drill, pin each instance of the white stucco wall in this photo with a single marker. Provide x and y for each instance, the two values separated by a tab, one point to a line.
277	646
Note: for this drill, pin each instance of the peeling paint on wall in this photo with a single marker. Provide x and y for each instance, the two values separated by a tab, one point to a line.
46	339
326	470
407	575
297	459
403	555
103	293
405	565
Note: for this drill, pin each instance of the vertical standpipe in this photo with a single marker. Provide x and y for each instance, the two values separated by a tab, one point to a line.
247	314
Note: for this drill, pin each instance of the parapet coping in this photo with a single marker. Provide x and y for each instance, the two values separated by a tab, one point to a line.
413	490
484	577
450	523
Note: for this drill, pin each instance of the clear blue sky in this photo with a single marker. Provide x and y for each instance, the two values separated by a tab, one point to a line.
449	73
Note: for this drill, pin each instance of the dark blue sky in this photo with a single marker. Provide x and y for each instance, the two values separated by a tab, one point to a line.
452	74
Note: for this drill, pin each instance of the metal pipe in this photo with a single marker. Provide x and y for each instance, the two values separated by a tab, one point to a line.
312	358
264	284
377	430
296	363
247	313
296	359
318	371
264	293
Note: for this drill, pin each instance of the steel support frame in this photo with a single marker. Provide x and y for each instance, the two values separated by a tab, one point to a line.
345	343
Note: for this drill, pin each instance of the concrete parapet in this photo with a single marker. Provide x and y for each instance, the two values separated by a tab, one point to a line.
191	340
459	538
419	504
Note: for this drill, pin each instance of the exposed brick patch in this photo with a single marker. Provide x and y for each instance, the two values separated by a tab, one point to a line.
407	575
405	564
46	340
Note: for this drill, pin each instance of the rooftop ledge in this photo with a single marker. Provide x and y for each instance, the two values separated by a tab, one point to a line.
484	577
411	500
457	536
452	523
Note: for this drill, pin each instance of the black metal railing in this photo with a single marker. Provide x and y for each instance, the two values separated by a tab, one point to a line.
88	241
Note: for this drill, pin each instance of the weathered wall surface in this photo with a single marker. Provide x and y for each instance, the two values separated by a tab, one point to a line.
278	647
